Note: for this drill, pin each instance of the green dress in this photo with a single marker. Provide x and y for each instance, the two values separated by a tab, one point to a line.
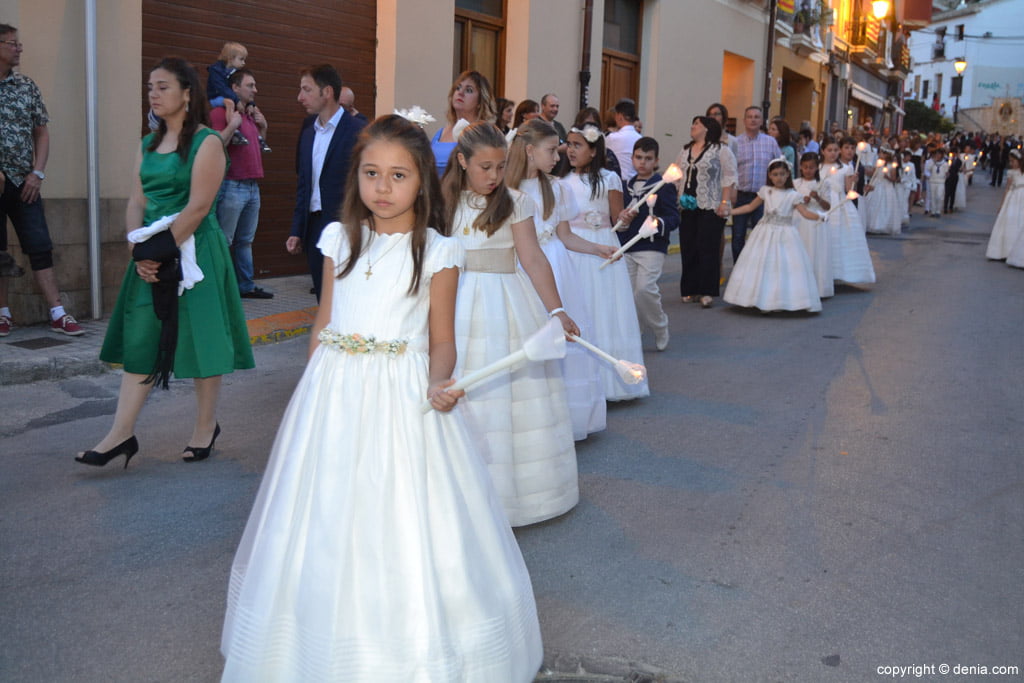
212	335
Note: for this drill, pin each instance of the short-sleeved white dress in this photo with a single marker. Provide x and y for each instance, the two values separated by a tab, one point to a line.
377	549
587	406
816	237
851	259
773	272
883	213
609	291
522	416
1008	230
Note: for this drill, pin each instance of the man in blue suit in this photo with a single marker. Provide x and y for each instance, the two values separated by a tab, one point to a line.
324	152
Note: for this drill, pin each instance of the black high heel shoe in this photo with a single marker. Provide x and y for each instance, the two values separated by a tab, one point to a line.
201	453
127	448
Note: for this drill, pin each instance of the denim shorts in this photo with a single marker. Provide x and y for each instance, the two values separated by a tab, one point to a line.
28	220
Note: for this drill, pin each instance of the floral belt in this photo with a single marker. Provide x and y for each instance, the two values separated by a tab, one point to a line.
356	343
688	202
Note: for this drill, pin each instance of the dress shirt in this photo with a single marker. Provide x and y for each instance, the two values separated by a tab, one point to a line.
322	135
621	143
754	155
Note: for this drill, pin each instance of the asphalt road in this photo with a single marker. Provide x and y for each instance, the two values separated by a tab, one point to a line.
802	498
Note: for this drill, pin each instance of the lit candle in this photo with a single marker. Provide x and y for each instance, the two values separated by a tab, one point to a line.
671	175
630	373
850	196
648	229
547	343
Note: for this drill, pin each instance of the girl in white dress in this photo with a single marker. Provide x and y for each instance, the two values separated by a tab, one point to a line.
1008	230
531	157
883	210
966	171
908	184
773	272
377	549
813	232
851	260
609	292
522	415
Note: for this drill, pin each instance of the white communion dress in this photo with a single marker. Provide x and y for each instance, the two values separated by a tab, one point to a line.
883	212
773	272
609	291
580	370
851	259
377	549
1008	230
816	237
522	416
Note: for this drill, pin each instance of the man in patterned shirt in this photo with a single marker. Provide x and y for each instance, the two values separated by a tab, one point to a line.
754	151
24	149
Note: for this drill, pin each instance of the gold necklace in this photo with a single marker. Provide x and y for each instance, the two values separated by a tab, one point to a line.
369	264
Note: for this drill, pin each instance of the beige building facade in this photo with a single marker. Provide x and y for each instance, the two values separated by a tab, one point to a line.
688	55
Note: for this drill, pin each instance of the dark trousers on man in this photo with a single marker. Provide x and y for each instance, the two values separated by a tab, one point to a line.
741	223
314	257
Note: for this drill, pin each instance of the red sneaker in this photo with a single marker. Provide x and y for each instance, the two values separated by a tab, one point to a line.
5	325
66	324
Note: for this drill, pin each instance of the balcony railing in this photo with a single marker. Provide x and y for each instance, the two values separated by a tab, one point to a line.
864	34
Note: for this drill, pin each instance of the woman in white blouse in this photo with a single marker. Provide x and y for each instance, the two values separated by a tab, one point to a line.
705	195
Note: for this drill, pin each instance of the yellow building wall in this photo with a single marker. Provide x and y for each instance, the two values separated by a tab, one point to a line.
53	32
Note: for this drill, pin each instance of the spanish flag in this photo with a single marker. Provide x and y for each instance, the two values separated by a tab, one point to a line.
873	27
788	6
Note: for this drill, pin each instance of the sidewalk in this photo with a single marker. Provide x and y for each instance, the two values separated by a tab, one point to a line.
34	353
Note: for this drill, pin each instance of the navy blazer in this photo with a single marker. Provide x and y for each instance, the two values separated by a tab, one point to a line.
332	176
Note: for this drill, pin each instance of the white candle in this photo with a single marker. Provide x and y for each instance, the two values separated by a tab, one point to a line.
851	195
547	343
671	175
648	229
631	373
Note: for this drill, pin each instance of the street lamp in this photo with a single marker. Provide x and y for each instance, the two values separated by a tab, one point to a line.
960	64
880	8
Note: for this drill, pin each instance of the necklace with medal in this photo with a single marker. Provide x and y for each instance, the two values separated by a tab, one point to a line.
476	202
369	263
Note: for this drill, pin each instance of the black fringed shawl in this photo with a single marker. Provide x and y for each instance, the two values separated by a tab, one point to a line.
161	247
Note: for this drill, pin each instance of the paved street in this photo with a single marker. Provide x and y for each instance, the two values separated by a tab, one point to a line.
802	498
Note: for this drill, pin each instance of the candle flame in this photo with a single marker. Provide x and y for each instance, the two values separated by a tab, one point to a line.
631	373
651	200
861	146
672	173
852	194
880	163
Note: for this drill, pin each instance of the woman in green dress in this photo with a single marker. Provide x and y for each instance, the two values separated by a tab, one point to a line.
179	168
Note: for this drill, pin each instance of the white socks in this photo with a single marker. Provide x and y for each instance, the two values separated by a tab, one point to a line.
57	312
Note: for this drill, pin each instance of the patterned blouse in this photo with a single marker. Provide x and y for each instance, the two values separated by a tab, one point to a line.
712	171
21	112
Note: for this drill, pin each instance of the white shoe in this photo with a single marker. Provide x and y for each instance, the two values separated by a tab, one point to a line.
661	339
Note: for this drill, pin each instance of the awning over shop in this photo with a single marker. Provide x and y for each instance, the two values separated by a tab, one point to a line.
866	96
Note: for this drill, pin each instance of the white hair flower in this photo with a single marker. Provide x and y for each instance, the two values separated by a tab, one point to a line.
590	133
511	135
416	114
460	125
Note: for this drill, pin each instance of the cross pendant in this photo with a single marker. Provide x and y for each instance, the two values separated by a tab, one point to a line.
368	272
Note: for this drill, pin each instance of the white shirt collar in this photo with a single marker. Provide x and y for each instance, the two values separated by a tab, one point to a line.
331	124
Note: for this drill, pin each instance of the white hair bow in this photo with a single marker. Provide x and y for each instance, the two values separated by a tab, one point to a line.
416	114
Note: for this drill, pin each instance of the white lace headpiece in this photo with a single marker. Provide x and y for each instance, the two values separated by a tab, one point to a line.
590	132
416	114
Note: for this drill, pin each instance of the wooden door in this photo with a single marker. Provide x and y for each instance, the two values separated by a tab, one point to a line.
281	37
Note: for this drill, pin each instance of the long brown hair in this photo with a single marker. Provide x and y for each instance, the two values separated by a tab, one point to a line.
532	132
427	210
499	203
196	113
591	173
485	101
